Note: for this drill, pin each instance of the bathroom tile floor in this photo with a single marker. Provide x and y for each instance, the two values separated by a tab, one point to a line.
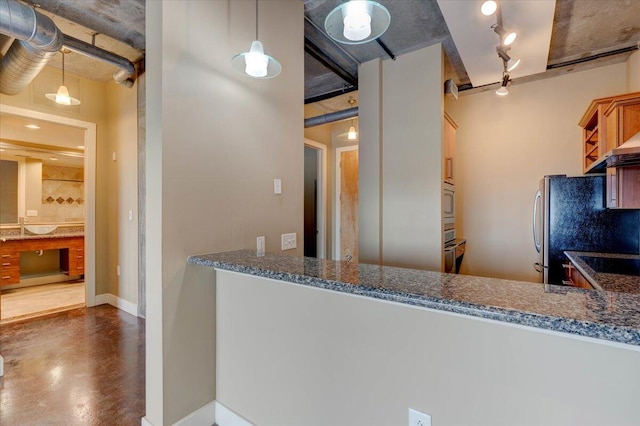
29	302
80	367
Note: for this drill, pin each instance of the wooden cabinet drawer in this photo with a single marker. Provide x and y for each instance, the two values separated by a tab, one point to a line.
10	276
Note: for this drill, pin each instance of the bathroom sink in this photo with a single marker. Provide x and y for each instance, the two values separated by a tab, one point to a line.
40	229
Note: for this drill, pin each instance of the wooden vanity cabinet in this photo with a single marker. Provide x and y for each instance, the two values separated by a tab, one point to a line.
9	266
71	255
449	148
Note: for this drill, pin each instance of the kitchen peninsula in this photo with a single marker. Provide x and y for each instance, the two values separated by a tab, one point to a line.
601	315
319	337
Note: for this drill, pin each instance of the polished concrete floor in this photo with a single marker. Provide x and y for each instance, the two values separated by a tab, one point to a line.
80	367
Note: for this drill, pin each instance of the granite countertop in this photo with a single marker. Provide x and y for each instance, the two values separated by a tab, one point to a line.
621	281
61	232
598	314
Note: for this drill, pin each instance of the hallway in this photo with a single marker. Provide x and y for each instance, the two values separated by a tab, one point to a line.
80	367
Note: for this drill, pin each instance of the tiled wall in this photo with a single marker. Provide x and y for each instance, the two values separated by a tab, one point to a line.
62	194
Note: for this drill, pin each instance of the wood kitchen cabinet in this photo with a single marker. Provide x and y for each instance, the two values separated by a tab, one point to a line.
449	148
623	187
575	277
606	124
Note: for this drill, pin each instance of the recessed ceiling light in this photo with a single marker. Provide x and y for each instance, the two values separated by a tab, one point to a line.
1	150
80	146
32	126
53	159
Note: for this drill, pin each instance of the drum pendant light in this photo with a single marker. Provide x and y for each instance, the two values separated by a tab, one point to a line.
357	21
255	63
62	96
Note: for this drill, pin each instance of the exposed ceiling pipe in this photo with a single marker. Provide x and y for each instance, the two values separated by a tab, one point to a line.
331	117
37	41
124	76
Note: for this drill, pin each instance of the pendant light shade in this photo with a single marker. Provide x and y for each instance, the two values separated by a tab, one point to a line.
357	21
255	63
62	96
352	135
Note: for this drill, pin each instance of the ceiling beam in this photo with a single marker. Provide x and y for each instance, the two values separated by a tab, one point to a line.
320	56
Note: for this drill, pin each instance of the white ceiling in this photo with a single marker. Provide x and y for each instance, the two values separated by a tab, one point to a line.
477	42
50	140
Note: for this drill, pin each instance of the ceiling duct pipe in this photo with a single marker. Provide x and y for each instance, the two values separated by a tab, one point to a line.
125	76
331	117
37	41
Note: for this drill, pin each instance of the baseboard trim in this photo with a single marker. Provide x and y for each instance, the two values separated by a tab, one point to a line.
110	299
226	417
203	416
208	415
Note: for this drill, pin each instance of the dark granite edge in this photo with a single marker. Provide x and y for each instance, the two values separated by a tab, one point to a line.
584	269
620	334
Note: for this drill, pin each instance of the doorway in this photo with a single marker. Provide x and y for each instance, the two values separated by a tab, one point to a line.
74	173
315	155
346	202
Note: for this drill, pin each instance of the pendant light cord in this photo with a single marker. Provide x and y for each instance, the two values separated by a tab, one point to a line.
256	19
62	68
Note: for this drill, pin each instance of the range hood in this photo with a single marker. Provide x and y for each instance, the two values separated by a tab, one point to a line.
627	154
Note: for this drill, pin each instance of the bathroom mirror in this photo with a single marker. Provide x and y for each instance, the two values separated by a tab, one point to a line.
41	171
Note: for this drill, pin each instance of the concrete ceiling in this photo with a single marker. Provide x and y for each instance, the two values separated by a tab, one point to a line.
585	33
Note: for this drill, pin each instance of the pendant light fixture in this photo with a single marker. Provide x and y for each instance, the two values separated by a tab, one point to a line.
352	135
255	63
62	96
357	21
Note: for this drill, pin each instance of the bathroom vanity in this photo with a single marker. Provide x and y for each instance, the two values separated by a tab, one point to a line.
71	253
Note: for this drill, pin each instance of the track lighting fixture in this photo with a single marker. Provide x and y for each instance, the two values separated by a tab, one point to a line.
489	7
506	37
255	63
357	21
504	87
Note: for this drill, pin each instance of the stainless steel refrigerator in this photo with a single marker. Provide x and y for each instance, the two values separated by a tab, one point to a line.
569	214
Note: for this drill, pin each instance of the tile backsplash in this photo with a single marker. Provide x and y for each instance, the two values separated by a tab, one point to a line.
62	194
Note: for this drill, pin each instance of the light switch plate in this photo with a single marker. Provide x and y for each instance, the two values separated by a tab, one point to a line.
289	241
416	418
32	213
277	186
260	246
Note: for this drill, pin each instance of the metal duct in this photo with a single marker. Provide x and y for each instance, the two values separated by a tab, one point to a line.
124	76
331	117
37	41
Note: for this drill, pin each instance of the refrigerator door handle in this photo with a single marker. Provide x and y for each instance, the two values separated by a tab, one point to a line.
537	199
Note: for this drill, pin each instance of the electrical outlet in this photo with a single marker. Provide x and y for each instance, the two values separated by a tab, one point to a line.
416	418
289	241
118	270
260	246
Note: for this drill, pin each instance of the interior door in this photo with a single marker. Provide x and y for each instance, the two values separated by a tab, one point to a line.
349	205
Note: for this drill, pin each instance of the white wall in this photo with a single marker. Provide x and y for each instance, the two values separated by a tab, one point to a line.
504	147
282	360
122	113
401	175
215	142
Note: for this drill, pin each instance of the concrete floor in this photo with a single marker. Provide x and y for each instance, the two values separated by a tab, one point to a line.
80	367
